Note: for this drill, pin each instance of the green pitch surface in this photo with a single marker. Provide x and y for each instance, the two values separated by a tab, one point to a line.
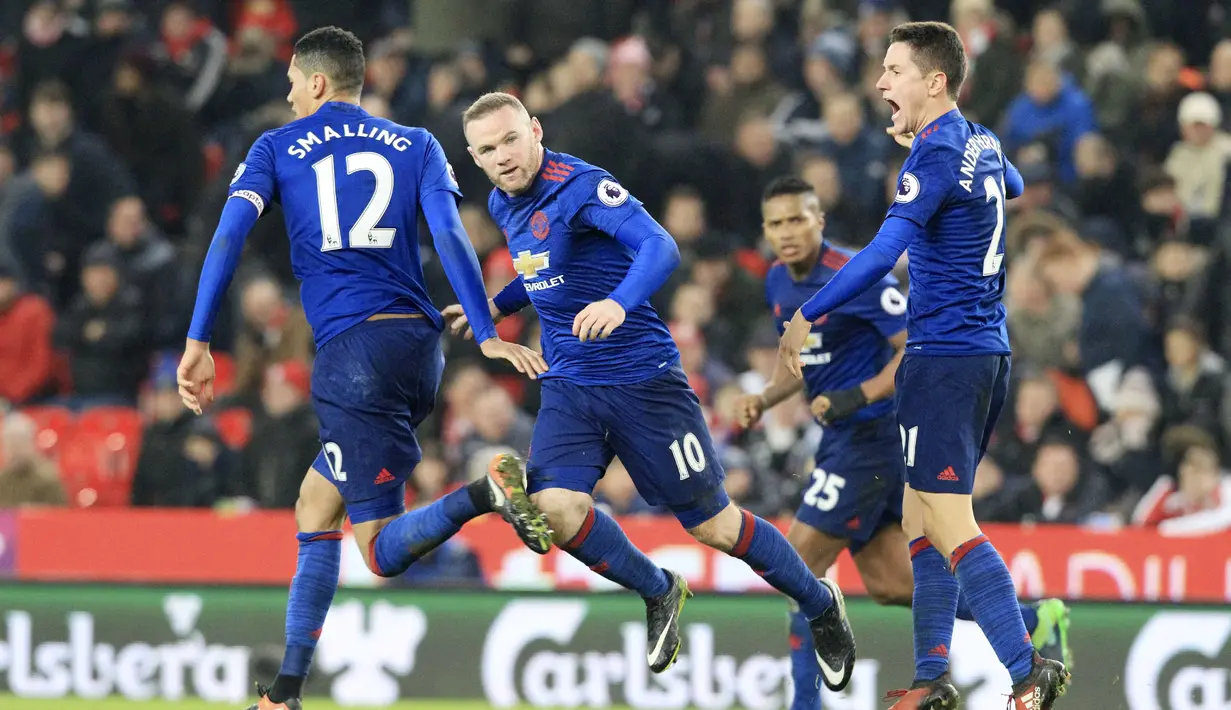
8	701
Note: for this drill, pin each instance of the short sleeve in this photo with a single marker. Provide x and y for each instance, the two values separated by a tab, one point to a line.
923	185
596	200
437	172
884	306
255	179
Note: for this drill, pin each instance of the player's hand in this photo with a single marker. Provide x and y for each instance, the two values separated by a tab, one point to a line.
906	140
526	361
597	320
748	409
459	324
792	343
195	376
820	406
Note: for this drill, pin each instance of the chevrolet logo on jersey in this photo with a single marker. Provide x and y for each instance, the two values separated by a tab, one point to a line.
809	354
529	265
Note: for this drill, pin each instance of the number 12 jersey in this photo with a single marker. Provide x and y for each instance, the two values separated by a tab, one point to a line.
350	185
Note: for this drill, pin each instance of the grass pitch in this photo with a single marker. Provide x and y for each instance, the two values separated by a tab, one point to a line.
9	702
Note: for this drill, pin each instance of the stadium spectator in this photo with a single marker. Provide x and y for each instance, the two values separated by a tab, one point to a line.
149	264
27	362
144	124
1195	501
496	421
27	476
1198	163
105	335
1054	110
195	52
615	493
1062	488
285	440
994	64
1193	392
1035	417
272	330
182	462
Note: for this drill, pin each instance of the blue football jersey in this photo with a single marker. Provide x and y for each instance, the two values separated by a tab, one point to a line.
350	186
848	346
952	185
559	235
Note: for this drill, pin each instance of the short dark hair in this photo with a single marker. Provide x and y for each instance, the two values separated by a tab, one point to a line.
334	52
935	46
787	185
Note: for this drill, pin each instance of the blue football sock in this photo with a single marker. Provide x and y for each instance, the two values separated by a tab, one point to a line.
312	589
993	602
769	554
413	534
603	547
1030	615
805	673
934	604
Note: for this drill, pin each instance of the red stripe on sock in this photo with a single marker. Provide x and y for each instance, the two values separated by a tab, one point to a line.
746	530
372	563
964	549
580	538
330	535
600	568
919	545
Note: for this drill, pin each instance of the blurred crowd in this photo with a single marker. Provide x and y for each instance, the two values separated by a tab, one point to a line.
121	122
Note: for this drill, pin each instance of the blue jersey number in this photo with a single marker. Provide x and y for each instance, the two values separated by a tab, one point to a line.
994	258
364	234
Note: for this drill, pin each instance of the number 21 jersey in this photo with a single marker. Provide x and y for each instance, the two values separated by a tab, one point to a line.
350	185
952	185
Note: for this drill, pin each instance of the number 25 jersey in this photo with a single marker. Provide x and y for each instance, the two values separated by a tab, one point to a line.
350	185
952	185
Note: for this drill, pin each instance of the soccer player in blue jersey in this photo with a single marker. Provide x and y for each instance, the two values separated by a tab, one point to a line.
351	188
952	382
849	360
588	256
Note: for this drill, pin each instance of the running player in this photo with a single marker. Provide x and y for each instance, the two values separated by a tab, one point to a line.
952	383
854	499
351	187
588	257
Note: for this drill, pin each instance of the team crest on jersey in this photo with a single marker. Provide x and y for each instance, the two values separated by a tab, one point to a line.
540	226
611	193
239	170
908	189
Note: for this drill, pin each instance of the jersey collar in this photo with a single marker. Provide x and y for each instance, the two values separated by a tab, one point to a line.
342	107
951	117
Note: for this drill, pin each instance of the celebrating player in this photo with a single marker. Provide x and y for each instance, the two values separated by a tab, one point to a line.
849	360
351	186
952	382
588	257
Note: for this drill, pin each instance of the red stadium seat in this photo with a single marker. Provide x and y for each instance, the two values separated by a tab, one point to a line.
224	374
102	421
54	425
96	467
234	426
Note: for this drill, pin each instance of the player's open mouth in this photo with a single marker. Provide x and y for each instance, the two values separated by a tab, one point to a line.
508	173
896	109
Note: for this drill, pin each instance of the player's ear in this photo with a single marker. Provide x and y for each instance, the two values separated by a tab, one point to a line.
938	84
317	85
474	156
536	129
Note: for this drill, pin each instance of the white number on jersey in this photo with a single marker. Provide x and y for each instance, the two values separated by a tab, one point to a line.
691	452
333	456
823	495
364	234
993	259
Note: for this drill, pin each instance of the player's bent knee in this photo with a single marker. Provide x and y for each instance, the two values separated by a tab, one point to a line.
720	532
565	511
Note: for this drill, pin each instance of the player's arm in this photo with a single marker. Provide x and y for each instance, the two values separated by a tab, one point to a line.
1014	183
610	209
511	299
251	189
